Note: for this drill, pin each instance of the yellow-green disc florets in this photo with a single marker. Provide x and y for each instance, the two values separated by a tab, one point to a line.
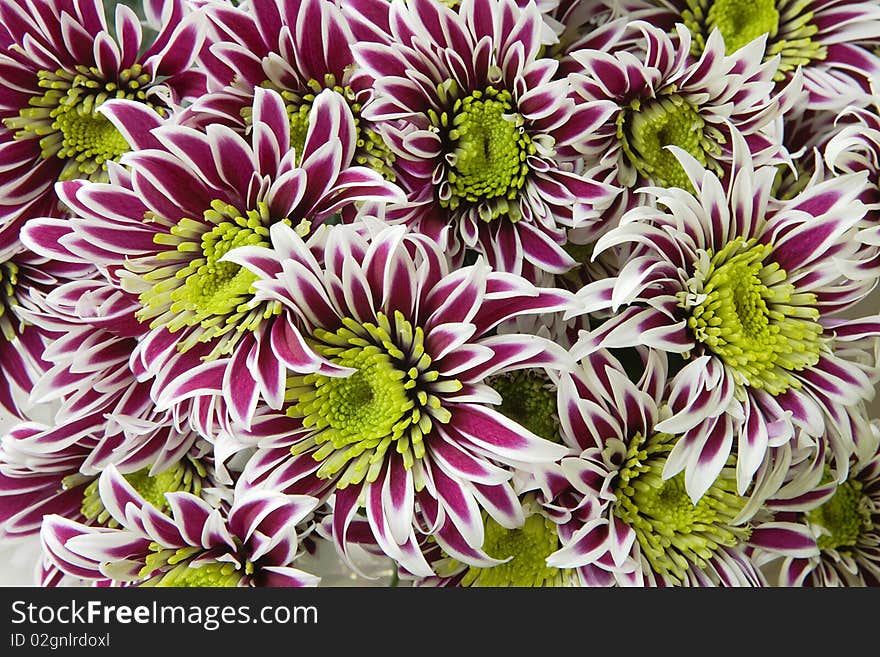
529	397
166	567
646	127
842	520
674	534
488	148
743	310
185	476
389	402
371	151
788	24
66	121
527	548
193	287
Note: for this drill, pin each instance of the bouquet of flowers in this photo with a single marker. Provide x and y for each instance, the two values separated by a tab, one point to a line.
474	292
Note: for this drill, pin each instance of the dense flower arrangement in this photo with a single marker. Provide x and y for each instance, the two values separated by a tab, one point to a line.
475	292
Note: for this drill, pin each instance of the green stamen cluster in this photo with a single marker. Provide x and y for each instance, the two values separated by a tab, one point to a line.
788	24
743	310
528	546
8	281
647	127
843	519
371	150
389	402
196	288
182	573
674	534
186	476
487	152
66	121
529	398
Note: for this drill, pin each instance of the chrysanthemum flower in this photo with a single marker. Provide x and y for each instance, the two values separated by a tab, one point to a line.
272	44
747	288
21	343
843	520
629	524
477	123
831	41
252	542
641	103
388	399
63	64
162	227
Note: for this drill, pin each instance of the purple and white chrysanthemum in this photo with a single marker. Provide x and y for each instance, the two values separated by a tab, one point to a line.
833	42
273	44
162	227
629	524
384	358
63	63
637	104
843	520
254	541
747	288
477	122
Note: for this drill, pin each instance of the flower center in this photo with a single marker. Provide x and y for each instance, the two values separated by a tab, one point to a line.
529	398
487	152
371	151
167	567
646	128
675	534
8	281
390	400
528	546
841	521
184	476
190	286
744	311
66	121
741	22
788	24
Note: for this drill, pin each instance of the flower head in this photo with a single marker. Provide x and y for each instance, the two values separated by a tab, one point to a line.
390	355
746	287
62	65
252	542
478	123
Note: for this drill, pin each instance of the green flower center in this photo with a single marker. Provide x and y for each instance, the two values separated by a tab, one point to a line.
66	121
8	281
529	398
647	127
371	151
741	22
487	152
390	401
166	567
843	519
186	476
788	24
675	534
188	285
744	311
528	546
